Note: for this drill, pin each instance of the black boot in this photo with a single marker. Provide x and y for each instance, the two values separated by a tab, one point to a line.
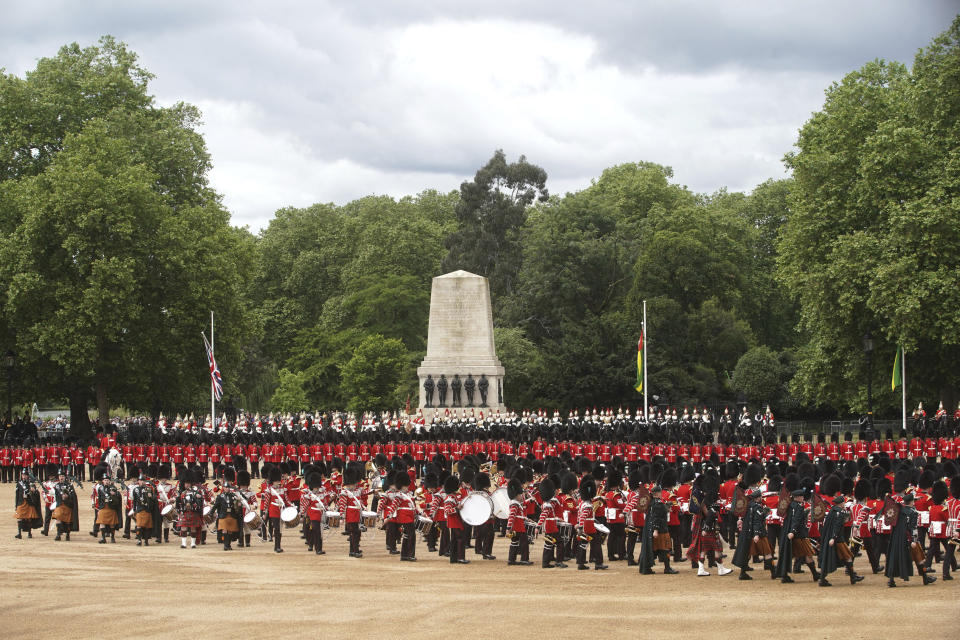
813	571
744	575
823	582
103	537
854	578
665	559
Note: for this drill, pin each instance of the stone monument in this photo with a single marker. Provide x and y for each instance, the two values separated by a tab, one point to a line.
460	348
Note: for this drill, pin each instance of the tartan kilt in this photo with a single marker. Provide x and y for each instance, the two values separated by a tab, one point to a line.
662	542
703	542
190	520
761	547
802	547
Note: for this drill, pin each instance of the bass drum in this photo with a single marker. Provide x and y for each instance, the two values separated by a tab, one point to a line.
252	521
501	503
290	517
169	514
476	509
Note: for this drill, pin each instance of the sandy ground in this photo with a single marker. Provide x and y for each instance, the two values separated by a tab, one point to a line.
81	589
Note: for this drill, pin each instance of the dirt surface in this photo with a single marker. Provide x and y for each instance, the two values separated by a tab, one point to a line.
81	589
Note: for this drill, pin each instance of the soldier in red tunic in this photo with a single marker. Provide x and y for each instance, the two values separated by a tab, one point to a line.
351	508
517	526
451	506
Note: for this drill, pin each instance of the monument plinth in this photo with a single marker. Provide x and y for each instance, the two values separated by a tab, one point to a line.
461	369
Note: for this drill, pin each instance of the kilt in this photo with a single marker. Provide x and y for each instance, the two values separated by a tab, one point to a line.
63	513
662	542
190	520
144	519
761	547
26	511
916	552
844	554
802	547
702	543
228	524
108	517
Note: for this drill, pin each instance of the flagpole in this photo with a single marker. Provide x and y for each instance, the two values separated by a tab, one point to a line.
903	384
646	338
213	407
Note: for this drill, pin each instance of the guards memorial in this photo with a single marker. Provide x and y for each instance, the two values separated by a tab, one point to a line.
461	369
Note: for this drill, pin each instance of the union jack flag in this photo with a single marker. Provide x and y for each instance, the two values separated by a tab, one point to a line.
215	378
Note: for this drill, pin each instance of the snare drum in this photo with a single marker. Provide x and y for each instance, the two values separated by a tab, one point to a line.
566	531
290	517
602	529
532	529
252	521
501	503
332	519
168	513
369	519
424	525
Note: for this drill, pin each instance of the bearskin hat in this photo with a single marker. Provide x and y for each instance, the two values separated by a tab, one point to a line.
948	469
320	468
731	470
792	482
99	473
314	480
926	479
230	474
152	470
284	468
514	489
588	489
614	480
598	472
633	480
569	482
380	460
197	476
401	479
830	485
275	474
901	481
846	486
862	490
939	492
467	474
243	478
753	475
687	474
882	487
774	483
668	479
351	475
481	481
163	472
955	486
431	481
451	485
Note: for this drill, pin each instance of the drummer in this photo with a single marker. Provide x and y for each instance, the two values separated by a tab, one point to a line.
250	500
351	507
166	495
316	507
405	515
275	504
517	526
451	507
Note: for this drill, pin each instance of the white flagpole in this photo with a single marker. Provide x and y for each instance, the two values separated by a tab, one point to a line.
645	339
903	384
213	407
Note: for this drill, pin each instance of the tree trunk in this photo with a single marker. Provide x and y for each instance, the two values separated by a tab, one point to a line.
103	405
79	419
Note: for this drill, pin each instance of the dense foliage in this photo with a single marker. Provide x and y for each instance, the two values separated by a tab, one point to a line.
114	249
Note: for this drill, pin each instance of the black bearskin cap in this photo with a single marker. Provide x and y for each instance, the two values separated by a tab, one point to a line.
569	482
668	479
753	475
275	475
846	486
687	474
774	483
883	487
900	481
830	485
633	480
243	478
938	493
99	473
955	487
467	474
314	480
732	470
351	475
862	490
163	472
431	481
401	480
514	489
230	474
548	488
614	480
481	481
451	485
792	482
588	489
598	472
926	480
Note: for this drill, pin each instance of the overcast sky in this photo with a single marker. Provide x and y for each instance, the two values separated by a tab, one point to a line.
317	101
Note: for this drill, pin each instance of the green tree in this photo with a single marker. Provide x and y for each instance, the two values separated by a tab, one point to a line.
759	376
117	248
373	379
290	395
490	214
872	243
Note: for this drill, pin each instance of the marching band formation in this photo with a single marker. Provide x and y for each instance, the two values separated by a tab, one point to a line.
592	493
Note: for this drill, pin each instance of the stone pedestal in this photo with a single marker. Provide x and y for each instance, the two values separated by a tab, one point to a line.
460	347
